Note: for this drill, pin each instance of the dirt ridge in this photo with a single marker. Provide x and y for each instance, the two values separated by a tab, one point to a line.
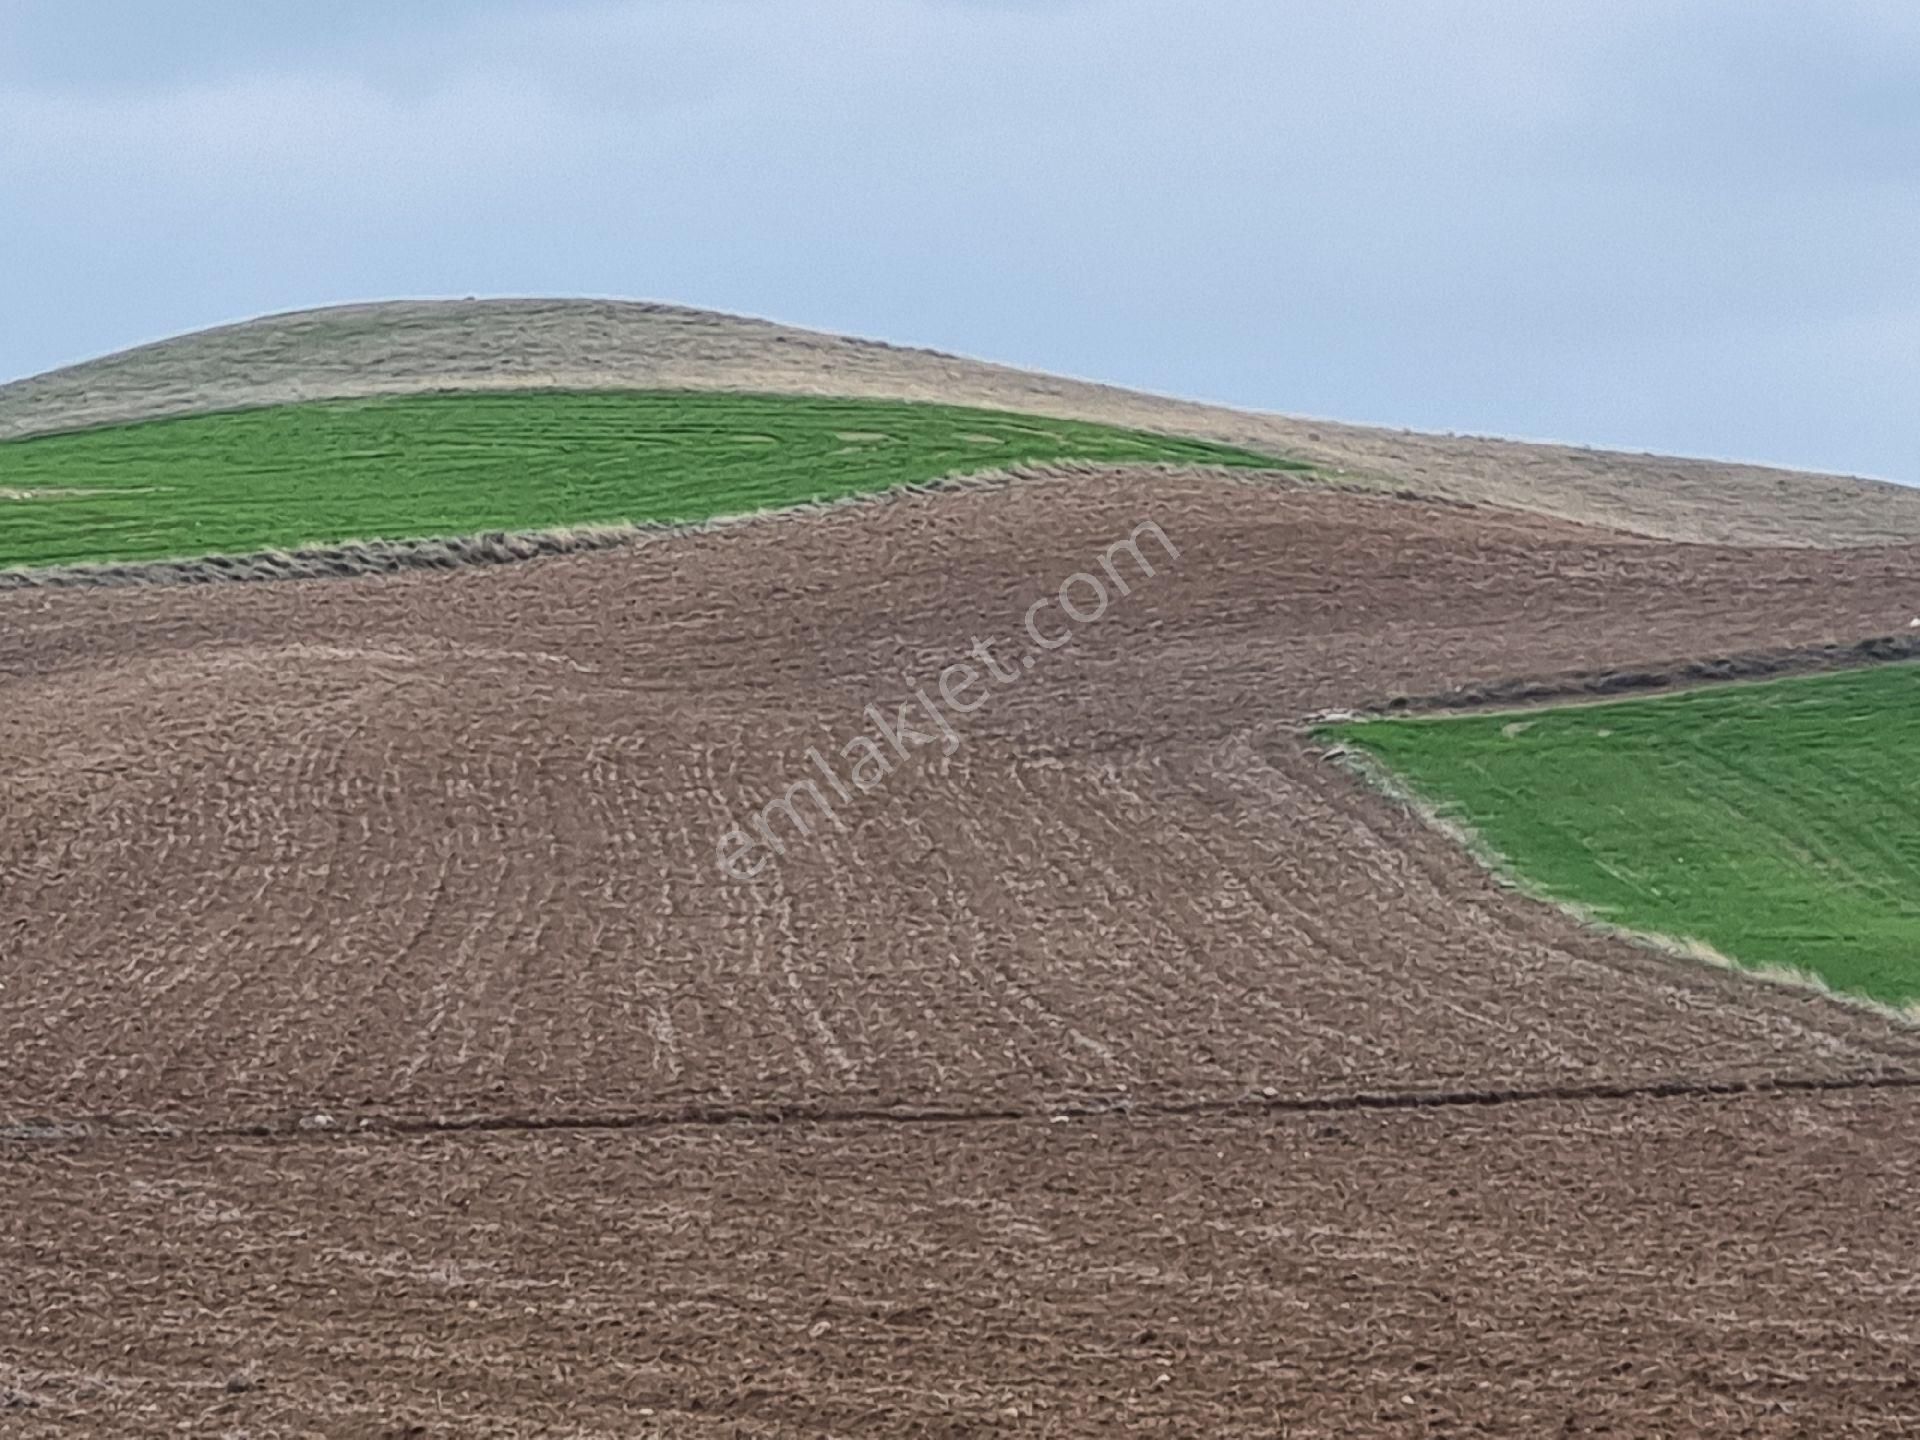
826	1114
349	559
1748	665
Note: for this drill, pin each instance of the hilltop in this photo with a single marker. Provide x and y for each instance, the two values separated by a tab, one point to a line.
408	347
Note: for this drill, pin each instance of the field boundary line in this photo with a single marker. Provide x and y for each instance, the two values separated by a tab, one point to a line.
320	1126
351	559
1525	693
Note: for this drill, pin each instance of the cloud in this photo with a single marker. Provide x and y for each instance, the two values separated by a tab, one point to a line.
1567	220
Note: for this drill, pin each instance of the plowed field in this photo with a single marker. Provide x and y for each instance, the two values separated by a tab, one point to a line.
1627	1269
300	880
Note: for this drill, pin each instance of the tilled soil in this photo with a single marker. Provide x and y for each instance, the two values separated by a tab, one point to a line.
1632	1270
307	875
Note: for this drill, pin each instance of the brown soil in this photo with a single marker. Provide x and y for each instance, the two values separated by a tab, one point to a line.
438	345
1775	663
305	876
1630	1270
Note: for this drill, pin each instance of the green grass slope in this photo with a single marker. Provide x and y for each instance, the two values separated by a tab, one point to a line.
441	465
1779	823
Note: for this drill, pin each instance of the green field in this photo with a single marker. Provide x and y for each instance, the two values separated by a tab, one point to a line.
445	465
1779	823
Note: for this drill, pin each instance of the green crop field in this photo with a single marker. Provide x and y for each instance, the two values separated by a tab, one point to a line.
1778	823
448	465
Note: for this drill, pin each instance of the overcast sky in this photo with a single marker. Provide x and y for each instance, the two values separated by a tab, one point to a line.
1653	224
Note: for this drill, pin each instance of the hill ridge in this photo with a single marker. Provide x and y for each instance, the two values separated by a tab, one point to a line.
392	347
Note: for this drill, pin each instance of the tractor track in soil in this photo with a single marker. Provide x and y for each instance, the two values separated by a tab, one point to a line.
107	1130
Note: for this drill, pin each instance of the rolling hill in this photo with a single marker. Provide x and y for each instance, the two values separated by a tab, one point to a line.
399	348
907	968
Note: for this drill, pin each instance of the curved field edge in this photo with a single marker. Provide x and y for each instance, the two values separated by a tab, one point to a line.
1763	825
326	473
351	558
416	346
1572	687
1385	780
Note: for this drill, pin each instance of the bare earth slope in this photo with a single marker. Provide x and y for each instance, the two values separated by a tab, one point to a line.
464	828
427	345
1639	1270
381	1047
